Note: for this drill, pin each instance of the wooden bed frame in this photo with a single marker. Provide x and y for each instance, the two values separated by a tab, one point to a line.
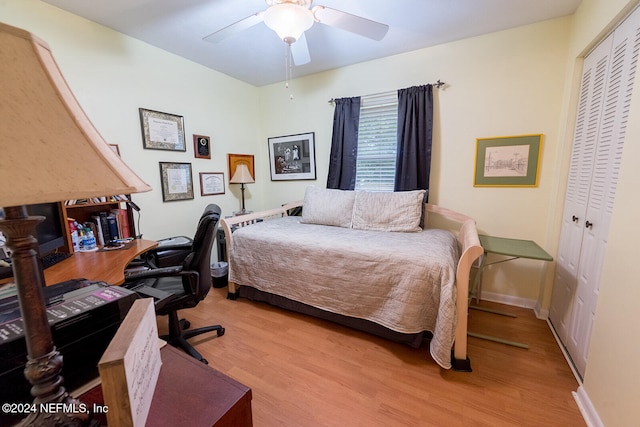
467	235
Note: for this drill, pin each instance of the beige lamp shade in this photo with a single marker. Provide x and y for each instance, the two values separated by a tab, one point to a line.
241	175
49	149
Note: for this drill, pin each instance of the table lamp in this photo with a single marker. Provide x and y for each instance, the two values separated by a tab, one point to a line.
242	176
50	152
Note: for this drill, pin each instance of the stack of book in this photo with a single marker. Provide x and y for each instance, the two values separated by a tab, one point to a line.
109	226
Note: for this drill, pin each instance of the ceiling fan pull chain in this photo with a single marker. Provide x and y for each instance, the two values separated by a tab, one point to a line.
286	65
288	68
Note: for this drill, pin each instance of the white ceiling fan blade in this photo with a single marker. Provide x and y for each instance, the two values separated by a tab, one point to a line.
352	23
235	28
300	51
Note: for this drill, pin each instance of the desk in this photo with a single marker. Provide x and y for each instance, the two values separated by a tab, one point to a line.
105	266
513	248
190	393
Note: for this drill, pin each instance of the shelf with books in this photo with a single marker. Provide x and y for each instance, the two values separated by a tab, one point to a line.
109	219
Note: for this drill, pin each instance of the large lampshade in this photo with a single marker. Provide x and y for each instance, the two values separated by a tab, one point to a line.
49	152
50	149
288	20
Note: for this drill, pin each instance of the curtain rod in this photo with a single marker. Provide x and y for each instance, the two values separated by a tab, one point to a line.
437	85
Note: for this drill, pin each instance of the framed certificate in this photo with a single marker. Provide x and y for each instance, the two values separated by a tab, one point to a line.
162	131
211	183
176	181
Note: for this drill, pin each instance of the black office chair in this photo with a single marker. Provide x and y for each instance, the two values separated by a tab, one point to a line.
188	283
169	252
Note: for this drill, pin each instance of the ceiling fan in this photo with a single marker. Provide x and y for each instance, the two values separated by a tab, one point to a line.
291	18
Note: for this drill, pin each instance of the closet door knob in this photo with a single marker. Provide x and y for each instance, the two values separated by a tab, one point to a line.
574	218
588	224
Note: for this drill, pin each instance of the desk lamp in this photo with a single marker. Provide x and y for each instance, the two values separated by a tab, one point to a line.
50	152
242	176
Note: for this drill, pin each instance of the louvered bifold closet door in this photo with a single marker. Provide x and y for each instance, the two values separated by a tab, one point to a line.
597	156
582	158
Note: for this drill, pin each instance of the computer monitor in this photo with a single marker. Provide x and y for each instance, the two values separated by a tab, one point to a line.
50	232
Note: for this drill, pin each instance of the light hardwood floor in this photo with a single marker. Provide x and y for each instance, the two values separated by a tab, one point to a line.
308	372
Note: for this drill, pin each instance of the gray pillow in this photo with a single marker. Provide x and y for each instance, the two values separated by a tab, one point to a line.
398	211
327	207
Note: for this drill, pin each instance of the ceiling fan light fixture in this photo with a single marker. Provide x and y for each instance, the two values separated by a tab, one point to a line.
288	20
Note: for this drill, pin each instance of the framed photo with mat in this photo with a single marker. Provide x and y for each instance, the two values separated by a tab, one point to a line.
508	161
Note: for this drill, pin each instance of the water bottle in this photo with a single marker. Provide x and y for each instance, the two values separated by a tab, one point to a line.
89	239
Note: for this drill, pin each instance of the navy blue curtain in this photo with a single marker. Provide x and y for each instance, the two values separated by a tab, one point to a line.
415	128
344	144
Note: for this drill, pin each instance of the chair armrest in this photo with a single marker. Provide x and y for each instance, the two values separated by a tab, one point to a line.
156	272
179	242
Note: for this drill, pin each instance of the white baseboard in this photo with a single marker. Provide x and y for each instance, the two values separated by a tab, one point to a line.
587	410
508	299
542	314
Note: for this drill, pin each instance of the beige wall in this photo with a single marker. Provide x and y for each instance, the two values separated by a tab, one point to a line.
517	81
113	75
505	83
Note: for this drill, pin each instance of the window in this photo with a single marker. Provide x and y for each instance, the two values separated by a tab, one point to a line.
377	144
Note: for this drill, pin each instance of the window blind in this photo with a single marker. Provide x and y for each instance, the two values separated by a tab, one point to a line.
377	144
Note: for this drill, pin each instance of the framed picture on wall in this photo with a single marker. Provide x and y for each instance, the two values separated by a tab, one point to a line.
177	183
292	157
235	159
202	146
211	183
162	131
508	161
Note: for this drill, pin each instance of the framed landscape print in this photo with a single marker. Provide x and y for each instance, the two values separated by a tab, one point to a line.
508	161
292	157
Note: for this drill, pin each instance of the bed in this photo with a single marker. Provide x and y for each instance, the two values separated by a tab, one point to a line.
371	261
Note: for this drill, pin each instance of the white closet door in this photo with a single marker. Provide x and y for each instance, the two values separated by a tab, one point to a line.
601	123
606	166
582	158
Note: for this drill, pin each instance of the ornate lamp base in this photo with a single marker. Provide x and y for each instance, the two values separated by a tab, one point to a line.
52	405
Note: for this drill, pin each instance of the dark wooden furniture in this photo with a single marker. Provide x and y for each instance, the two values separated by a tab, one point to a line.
190	393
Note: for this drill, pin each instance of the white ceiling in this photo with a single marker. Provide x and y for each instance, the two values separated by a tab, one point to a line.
257	56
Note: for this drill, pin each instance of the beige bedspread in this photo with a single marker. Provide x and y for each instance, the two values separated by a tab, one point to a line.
403	281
